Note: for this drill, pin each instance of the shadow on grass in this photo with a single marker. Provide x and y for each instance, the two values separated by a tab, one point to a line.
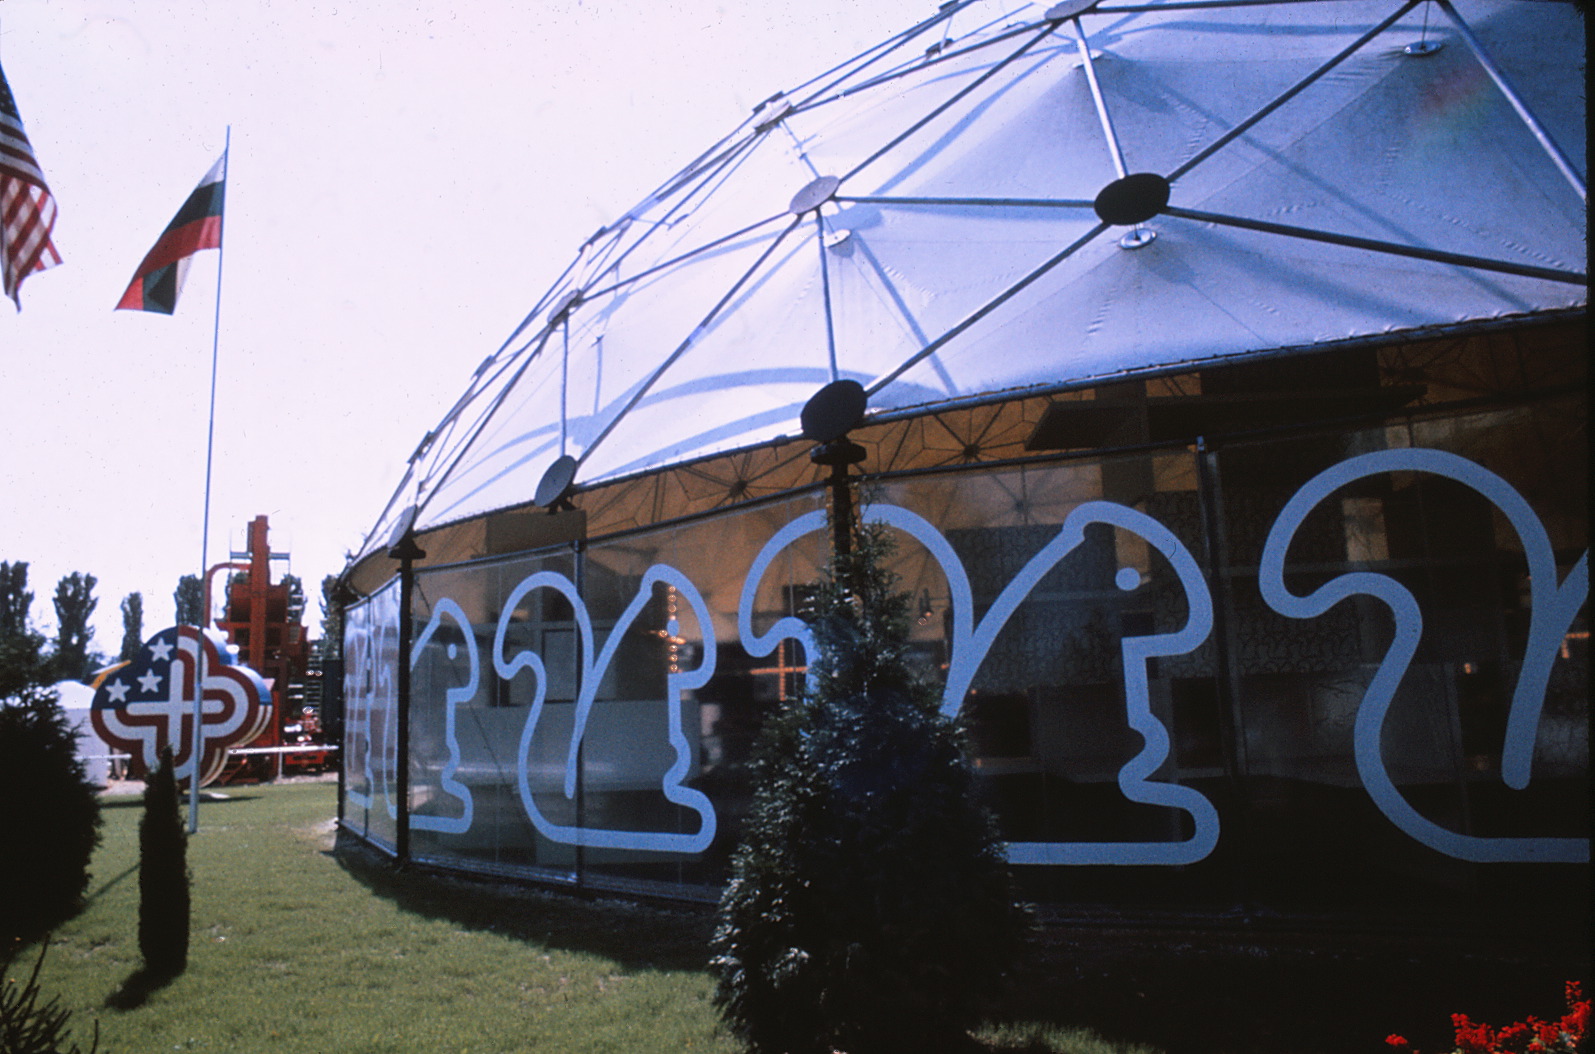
110	882
1298	990
206	800
638	936
139	986
1178	987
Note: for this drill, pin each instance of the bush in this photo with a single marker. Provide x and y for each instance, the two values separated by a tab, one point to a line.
49	819
870	907
26	1027
163	893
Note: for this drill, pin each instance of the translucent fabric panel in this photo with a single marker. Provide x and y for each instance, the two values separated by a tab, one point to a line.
891	292
370	744
962	151
1204	278
481	743
714	396
955	257
1340	174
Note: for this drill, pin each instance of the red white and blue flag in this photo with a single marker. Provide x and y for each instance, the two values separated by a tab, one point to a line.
27	211
197	226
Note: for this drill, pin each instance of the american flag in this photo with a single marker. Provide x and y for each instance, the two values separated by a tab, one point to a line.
26	207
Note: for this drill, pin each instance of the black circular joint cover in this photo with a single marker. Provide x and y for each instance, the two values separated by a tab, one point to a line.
834	410
564	306
556	481
401	527
1134	199
1068	9
814	194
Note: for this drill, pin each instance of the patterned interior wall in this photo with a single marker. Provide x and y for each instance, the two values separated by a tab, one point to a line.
1300	669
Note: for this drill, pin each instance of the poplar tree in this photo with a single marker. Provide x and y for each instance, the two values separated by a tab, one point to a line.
188	600
332	601
74	606
22	661
132	627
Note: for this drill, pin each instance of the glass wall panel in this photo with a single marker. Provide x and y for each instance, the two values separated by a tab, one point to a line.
1084	674
1312	673
1379	731
587	718
370	750
483	744
679	696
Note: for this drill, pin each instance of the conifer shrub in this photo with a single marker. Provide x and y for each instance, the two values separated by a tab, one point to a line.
870	908
28	1026
49	819
163	881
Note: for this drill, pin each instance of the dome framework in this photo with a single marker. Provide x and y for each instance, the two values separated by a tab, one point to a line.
992	204
1220	369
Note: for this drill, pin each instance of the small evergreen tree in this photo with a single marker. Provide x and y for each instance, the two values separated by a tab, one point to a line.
163	893
50	823
870	907
28	1026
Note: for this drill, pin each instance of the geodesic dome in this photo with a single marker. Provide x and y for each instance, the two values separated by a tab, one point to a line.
997	202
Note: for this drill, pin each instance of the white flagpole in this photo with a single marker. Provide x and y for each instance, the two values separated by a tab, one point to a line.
204	535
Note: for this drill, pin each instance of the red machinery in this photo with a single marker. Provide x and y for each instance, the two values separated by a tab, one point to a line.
263	622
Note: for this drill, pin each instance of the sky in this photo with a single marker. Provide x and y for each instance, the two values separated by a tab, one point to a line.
405	180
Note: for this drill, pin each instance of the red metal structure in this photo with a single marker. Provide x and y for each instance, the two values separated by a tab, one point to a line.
261	621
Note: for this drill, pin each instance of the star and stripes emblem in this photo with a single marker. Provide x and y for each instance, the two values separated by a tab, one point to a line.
145	705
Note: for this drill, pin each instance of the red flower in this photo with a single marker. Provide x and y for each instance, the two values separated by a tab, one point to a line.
1576	1021
1471	1038
1519	1032
1565	1036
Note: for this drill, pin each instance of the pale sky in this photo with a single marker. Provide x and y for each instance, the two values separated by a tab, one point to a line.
406	179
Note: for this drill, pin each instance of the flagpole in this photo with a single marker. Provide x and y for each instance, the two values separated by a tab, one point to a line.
204	534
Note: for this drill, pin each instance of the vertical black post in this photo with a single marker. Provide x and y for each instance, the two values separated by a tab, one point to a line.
407	552
839	454
842	510
579	552
333	696
1226	671
827	418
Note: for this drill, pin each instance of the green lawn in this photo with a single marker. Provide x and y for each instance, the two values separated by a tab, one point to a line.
294	950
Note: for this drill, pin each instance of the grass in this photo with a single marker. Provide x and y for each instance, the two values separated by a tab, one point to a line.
295	949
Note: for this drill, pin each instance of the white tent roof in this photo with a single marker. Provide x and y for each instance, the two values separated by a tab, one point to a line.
928	220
